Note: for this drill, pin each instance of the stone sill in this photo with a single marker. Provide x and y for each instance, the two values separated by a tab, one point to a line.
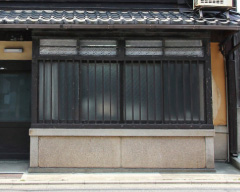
118	170
122	132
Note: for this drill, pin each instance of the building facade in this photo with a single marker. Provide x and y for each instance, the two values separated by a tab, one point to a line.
116	85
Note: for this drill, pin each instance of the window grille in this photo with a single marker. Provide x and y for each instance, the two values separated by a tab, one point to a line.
124	90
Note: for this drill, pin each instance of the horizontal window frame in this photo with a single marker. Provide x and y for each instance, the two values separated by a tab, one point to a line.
16	66
121	48
124	126
15	124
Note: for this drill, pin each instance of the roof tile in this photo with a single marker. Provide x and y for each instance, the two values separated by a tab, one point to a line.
113	17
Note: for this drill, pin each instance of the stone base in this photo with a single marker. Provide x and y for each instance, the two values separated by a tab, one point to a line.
122	149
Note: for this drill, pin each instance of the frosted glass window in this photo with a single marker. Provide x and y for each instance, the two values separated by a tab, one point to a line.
98	43
183	43
168	89
183	91
58	51
58	91
143	51
143	43
58	47
95	51
98	47
67	96
100	91
191	52
15	93
58	42
142	98
143	47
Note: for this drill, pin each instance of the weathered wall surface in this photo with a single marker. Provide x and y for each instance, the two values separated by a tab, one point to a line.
218	86
27	50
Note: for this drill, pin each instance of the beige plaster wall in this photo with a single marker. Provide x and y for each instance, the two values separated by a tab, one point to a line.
50	148
27	50
219	103
218	86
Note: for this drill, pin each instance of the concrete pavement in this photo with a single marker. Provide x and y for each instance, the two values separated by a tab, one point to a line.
16	174
125	188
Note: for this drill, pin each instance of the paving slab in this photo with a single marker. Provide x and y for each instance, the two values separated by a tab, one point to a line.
14	166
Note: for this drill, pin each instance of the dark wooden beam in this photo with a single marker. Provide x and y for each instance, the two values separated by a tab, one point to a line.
232	106
232	98
94	4
92	1
120	26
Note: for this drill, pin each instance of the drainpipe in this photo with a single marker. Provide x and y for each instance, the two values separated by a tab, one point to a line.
226	56
226	90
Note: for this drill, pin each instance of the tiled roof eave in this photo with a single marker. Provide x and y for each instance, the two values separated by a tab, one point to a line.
120	26
86	19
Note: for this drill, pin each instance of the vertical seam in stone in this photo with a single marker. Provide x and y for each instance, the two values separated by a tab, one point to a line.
38	151
205	152
121	151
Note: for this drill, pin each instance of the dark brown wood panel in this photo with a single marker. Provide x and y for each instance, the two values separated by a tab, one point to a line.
14	136
14	143
92	1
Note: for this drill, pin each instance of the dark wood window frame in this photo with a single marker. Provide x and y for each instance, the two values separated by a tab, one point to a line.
121	58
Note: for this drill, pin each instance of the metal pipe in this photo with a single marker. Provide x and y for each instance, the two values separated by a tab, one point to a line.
226	89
